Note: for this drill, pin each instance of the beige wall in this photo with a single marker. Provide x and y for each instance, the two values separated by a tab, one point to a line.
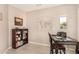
41	22
3	29
78	22
14	12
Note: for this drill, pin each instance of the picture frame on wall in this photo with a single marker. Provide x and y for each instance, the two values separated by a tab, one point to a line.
0	16
18	21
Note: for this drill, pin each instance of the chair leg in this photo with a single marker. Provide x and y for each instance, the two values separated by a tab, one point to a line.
64	51
56	51
60	51
51	51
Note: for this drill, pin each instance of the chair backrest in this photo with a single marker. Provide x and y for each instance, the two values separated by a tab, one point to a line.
62	34
51	39
51	42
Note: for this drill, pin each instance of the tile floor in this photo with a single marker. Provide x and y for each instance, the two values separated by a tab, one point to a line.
36	49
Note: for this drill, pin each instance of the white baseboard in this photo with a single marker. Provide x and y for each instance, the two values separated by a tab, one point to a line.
43	44
6	50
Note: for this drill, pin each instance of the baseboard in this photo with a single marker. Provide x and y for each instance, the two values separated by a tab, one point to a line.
6	50
43	44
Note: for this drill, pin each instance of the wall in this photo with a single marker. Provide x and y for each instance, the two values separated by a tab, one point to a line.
40	22
78	22
70	11
3	28
14	12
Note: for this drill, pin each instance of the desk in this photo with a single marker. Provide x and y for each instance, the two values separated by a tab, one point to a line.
65	41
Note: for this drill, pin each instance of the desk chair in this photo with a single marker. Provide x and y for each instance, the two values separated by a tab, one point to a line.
55	46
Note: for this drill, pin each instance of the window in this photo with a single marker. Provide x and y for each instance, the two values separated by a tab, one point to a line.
63	22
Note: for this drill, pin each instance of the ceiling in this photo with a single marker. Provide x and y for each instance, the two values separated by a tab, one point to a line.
32	7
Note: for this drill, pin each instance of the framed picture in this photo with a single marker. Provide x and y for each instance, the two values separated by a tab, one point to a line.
0	16
18	21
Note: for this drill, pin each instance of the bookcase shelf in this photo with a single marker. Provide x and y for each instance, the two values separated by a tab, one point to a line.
19	37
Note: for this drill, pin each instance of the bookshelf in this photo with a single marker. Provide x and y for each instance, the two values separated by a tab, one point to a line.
19	37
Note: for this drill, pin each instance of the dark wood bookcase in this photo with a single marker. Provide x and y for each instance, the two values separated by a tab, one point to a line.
19	37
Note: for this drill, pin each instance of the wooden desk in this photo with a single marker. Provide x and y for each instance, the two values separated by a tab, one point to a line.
65	41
